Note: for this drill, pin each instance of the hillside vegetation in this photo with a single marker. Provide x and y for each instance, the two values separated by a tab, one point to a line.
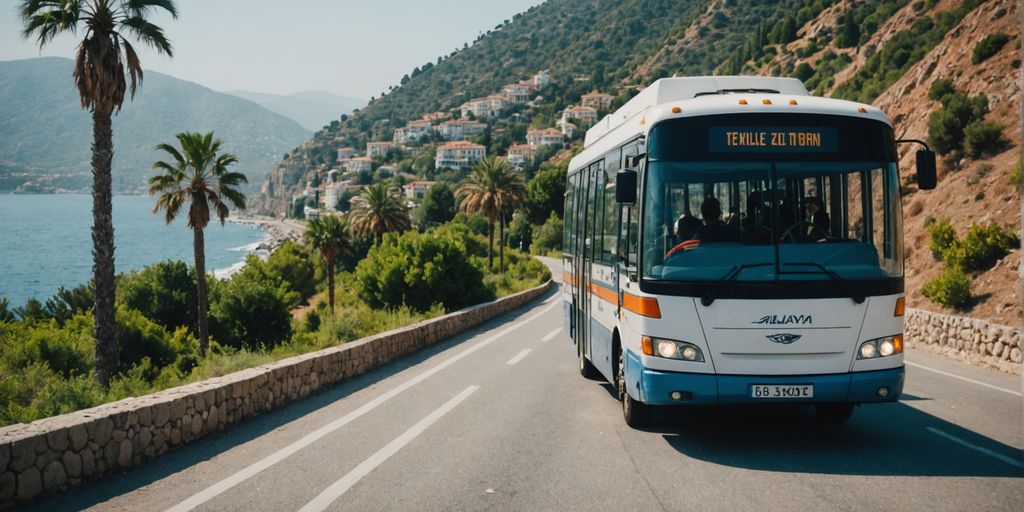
888	53
45	135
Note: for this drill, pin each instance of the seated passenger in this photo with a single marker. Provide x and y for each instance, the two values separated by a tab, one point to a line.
713	229
818	218
686	226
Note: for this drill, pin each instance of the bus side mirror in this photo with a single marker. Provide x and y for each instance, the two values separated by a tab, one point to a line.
625	186
926	177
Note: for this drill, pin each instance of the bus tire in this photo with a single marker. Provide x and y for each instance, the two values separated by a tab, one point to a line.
587	369
636	413
834	413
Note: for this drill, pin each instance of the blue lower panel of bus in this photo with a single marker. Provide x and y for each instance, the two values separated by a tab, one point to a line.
708	389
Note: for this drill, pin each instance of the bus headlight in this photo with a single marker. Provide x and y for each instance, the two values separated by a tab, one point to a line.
881	347
672	349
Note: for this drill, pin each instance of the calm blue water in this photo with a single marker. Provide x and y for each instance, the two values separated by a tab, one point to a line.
45	242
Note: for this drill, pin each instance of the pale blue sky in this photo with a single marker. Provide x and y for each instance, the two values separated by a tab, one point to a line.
348	47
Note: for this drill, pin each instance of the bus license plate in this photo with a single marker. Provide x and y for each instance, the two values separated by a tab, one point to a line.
782	391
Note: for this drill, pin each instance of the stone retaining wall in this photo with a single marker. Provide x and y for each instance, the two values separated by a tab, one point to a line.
966	339
54	453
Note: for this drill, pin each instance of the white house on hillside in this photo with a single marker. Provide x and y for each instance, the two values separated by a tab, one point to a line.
543	137
458	129
459	154
597	100
378	149
521	154
586	115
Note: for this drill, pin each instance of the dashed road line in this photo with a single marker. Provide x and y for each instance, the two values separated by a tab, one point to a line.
519	357
332	493
551	334
227	483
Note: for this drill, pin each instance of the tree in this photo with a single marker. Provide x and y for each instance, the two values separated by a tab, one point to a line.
99	74
200	177
546	192
380	212
438	205
492	189
330	237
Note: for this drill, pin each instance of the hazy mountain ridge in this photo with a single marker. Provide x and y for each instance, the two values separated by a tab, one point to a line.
311	109
44	129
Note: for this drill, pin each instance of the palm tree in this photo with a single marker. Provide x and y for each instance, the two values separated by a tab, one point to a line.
492	189
329	236
381	212
99	73
200	177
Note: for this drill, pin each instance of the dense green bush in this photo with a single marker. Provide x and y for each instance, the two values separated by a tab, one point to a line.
983	138
940	88
438	206
951	289
989	46
251	309
981	248
546	193
519	233
164	293
420	270
476	223
940	237
292	264
946	125
548	236
140	338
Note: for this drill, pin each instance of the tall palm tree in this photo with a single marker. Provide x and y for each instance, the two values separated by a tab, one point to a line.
200	177
381	212
492	189
329	236
99	74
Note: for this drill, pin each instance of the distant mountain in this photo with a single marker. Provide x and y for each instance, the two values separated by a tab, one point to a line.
44	133
311	109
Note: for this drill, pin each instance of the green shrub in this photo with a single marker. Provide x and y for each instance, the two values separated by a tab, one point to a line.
940	88
951	289
983	138
67	303
548	236
66	351
1015	181
164	293
476	223
981	248
140	338
940	237
292	264
989	46
419	271
251	309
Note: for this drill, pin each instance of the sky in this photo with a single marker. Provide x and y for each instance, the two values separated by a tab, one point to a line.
352	48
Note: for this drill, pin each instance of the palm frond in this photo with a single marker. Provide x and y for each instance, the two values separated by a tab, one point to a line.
149	34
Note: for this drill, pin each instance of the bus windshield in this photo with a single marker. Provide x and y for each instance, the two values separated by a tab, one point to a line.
770	215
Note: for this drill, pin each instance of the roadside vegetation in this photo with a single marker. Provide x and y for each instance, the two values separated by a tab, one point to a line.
978	250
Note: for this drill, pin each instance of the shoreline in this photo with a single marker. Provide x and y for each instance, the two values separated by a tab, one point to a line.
276	232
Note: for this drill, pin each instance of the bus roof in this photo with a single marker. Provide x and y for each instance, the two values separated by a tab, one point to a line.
700	96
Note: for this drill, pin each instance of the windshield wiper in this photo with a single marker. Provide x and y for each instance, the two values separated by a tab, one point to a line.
729	278
857	297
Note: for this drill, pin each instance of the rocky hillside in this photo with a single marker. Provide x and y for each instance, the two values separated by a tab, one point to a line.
887	52
45	135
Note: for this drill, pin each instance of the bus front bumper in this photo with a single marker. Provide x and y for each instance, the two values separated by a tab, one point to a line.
656	387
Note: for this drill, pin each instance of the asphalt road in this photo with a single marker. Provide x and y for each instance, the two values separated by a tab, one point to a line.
499	419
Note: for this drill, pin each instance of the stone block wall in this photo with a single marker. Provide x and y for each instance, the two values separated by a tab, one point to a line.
63	451
965	339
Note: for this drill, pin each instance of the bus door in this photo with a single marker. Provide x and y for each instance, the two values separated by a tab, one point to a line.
583	247
569	269
592	233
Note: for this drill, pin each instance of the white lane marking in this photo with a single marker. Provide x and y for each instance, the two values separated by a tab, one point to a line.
551	334
986	451
332	493
519	357
972	381
250	471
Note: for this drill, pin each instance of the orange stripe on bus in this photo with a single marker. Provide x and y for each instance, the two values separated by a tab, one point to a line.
644	306
605	294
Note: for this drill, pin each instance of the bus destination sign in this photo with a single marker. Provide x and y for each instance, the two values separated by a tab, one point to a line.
773	139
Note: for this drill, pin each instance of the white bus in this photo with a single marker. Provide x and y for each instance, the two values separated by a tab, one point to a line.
735	240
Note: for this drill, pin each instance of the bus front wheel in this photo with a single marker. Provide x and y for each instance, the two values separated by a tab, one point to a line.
637	414
834	413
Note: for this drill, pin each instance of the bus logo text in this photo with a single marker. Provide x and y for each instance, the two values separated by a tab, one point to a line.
783	320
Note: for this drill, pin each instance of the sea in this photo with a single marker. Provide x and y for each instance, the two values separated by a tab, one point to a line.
46	242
